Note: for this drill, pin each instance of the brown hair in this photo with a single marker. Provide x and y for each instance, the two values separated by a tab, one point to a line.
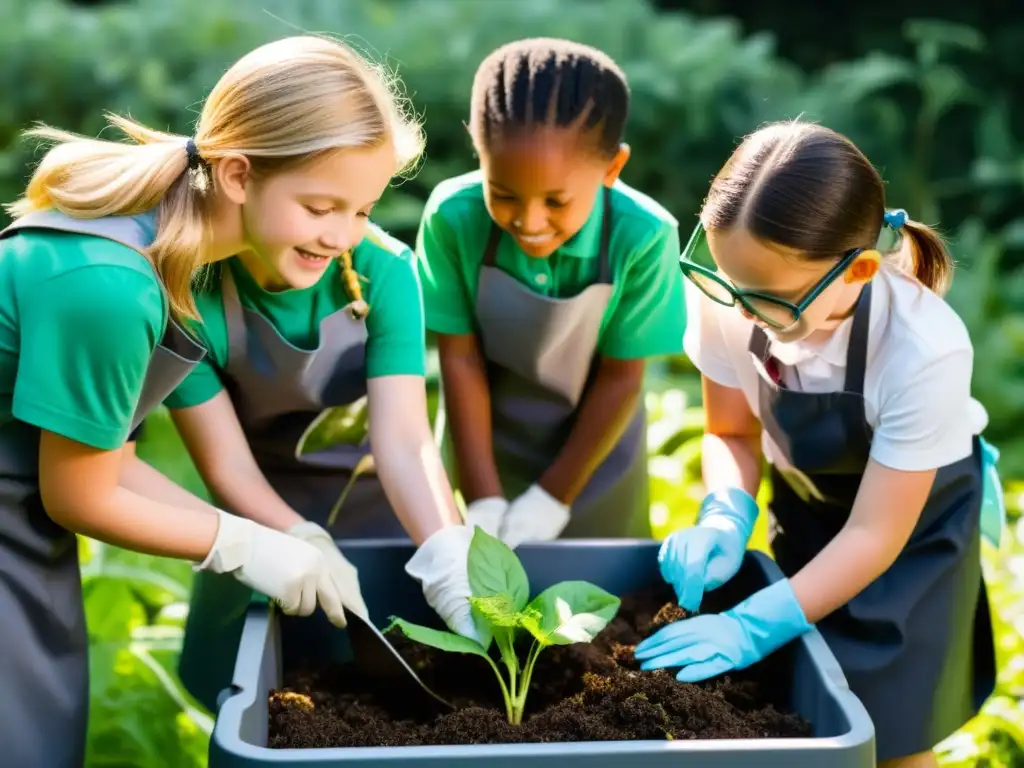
808	188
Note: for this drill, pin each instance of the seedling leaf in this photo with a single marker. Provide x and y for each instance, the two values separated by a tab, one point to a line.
572	612
496	610
568	612
494	569
445	641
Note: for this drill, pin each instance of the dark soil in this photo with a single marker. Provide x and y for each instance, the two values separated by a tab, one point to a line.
582	692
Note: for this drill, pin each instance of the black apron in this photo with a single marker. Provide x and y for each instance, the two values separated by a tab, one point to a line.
43	640
541	359
916	644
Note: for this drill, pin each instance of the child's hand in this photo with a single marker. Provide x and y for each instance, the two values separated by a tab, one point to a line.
709	645
701	558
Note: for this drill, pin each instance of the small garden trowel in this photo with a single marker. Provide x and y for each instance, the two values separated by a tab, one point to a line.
377	658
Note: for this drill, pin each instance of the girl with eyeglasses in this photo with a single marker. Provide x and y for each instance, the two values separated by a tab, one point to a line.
846	370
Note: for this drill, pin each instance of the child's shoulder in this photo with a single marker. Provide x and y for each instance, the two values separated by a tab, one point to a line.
457	197
639	219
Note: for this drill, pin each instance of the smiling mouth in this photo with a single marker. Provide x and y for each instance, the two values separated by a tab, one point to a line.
534	239
311	256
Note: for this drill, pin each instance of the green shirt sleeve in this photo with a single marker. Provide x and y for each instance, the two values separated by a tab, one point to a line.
396	343
199	386
88	336
448	307
650	317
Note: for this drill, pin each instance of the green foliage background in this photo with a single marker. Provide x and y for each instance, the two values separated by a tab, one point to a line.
932	103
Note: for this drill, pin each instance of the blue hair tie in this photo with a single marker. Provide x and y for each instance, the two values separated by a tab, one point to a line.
896	219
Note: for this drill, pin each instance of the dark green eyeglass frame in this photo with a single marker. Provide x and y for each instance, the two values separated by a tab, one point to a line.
744	298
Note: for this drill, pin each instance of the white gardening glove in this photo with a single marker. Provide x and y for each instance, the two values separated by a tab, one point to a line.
534	516
486	513
336	568
286	569
441	566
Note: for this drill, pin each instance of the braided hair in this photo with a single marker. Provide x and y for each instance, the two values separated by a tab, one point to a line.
351	280
549	82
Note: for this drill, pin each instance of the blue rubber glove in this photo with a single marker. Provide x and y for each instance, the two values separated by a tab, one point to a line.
993	505
703	557
709	645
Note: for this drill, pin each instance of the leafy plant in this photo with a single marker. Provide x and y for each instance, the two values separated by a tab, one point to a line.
565	613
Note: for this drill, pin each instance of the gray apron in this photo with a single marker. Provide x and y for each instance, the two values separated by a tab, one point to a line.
916	645
279	391
43	639
541	359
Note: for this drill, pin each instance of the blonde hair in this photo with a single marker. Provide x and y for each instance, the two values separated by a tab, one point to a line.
280	105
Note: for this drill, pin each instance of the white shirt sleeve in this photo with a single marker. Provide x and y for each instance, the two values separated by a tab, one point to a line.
704	339
924	420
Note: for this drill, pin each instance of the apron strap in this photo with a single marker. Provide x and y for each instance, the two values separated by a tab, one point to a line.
605	273
857	351
761	348
491	251
234	318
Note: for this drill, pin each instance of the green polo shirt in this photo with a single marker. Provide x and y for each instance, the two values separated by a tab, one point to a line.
80	317
646	315
395	343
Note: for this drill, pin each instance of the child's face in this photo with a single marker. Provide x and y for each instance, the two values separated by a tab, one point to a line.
752	265
541	187
298	220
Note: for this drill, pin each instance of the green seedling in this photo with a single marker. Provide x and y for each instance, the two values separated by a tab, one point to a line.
565	613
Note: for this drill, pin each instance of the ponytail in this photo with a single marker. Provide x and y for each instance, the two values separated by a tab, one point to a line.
90	178
924	255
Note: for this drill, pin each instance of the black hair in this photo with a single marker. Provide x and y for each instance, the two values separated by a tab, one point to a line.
551	82
806	187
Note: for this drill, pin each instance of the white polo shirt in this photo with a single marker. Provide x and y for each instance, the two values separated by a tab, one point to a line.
917	386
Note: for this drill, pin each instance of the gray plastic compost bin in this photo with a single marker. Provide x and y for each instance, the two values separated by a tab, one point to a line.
813	686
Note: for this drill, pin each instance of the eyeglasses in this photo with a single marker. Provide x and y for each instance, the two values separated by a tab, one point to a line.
779	313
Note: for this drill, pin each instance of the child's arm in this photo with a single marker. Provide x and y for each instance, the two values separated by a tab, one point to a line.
604	414
467	403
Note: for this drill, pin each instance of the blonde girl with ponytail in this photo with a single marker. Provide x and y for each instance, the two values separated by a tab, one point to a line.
106	279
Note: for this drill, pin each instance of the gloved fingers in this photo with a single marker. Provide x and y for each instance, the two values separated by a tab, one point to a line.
307	601
461	623
674	635
721	567
355	603
683	655
682	559
290	601
691	578
346	580
704	670
489	524
487	514
665	554
330	599
513	539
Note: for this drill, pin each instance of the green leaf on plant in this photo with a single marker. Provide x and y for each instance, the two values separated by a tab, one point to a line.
435	638
494	569
497	610
570	612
